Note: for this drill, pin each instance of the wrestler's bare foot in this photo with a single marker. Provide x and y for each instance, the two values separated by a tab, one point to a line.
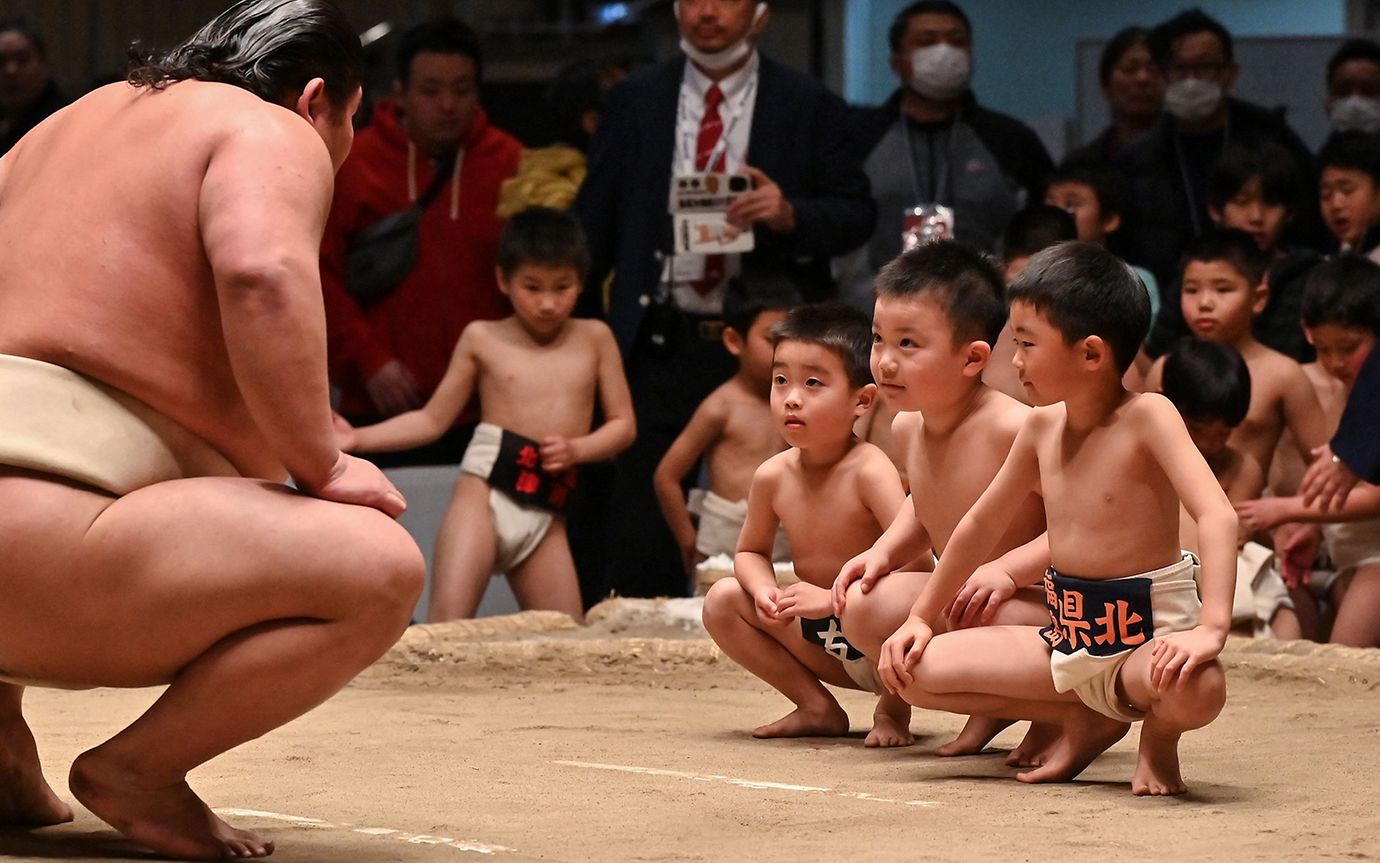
1085	736
1035	747
977	732
890	723
1157	764
823	721
26	800
169	819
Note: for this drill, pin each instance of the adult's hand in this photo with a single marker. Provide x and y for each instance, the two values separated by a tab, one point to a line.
763	203
354	480
393	390
1328	480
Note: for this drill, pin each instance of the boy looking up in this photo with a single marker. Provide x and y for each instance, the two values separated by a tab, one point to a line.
834	495
1128	639
537	374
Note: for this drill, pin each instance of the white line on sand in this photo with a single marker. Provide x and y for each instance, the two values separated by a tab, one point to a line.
411	838
741	783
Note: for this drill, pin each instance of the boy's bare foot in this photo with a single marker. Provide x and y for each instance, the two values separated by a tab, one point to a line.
1084	737
1035	747
26	800
1157	764
827	722
890	724
171	819
977	732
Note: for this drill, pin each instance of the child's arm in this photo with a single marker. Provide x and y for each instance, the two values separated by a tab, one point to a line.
752	562
430	421
1154	379
904	540
1163	433
1303	414
1267	513
993	583
972	541
705	427
619	427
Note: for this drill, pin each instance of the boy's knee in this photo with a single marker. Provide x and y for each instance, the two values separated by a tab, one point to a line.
722	602
1201	699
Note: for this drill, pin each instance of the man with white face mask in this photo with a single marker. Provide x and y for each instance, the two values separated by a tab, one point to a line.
1168	170
719	107
1353	87
932	143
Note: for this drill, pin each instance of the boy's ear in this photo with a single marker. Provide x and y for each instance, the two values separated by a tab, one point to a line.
1096	352
502	280
976	357
1215	213
867	397
1112	222
733	341
1262	295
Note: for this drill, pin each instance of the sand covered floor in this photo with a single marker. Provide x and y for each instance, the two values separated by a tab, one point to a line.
519	739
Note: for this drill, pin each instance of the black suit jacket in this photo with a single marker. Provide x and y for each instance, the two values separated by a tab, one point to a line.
798	138
1357	442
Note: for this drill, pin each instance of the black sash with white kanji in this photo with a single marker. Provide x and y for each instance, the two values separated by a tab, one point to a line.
517	472
828	634
1104	618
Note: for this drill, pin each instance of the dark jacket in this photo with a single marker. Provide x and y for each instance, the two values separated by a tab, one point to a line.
798	138
1357	442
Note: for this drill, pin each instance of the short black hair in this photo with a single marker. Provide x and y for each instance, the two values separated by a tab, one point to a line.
1117	47
440	36
543	236
959	278
1084	290
836	327
752	292
25	29
1036	228
1107	185
1357	151
1207	381
1238	164
1353	49
1235	247
897	34
1186	23
1344	291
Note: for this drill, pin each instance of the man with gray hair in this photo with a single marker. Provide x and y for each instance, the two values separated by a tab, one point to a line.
163	372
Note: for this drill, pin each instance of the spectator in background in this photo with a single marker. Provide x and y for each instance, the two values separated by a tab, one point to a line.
1133	86
1349	190
388	355
1168	170
28	93
722	107
932	143
1353	87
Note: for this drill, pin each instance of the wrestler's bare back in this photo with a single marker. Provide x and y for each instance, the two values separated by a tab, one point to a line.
748	438
102	259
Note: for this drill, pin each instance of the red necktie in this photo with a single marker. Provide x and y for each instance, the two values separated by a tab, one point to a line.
711	130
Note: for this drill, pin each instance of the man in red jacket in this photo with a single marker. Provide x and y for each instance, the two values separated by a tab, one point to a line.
388	355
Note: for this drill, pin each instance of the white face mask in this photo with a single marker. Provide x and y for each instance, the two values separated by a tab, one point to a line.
1192	99
727	57
1355	114
940	72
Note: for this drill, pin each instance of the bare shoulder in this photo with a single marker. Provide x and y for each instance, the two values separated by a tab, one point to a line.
1273	370
773	471
999	413
905	425
592	332
870	464
1149	412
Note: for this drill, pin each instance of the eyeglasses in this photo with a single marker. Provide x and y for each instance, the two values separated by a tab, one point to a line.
1180	71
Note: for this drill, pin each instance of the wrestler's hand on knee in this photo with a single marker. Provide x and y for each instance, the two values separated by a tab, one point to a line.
354	480
901	652
865	568
1176	656
803	599
764	603
981	595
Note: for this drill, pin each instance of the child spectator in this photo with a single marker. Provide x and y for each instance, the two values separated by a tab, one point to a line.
1341	313
1129	639
834	495
732	429
1210	386
1349	192
1222	290
538	375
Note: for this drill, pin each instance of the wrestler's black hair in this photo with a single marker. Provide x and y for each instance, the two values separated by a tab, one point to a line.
1084	290
1356	151
1239	164
1237	248
897	33
836	327
23	28
272	48
1117	47
441	36
1344	291
543	236
959	278
753	292
1207	381
1353	49
1036	228
1107	185
1186	23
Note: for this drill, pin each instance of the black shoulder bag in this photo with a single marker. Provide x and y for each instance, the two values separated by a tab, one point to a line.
384	254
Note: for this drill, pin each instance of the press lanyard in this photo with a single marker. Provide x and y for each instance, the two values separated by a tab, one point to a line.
939	180
1188	181
690	129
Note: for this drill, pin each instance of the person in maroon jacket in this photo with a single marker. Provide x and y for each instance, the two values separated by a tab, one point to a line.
388	355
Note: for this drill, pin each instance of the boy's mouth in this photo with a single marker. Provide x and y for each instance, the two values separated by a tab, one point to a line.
793	422
1204	325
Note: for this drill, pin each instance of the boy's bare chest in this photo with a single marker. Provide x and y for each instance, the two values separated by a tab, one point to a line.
549	372
1102	470
821	511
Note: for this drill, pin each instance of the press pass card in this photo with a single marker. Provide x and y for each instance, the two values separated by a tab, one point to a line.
699	207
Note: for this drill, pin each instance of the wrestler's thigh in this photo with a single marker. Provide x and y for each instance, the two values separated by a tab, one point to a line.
1011	661
812	656
126	591
876	614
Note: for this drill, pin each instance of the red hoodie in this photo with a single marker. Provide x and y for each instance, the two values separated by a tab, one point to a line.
453	283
